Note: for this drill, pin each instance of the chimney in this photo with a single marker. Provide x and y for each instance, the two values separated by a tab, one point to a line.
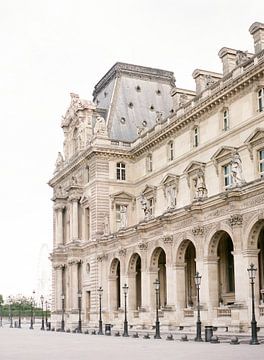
204	79
257	30
228	57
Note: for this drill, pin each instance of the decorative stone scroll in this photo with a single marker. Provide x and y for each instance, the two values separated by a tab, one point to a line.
101	257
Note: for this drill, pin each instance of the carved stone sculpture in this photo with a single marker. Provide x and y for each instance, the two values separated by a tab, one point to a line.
145	207
100	127
200	187
123	216
171	196
236	171
241	56
59	162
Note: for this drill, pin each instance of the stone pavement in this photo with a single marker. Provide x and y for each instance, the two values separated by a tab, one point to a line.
25	344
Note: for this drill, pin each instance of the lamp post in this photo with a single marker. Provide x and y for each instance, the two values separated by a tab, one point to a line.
42	313
10	311
157	327
1	316
197	279
125	290
252	274
62	312
46	314
19	313
80	309
31	313
100	292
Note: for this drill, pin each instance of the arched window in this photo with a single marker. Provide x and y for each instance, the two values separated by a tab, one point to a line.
170	150
261	100
149	163
225	120
120	171
196	136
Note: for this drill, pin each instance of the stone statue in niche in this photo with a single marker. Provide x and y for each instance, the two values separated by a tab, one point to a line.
145	206
100	127
199	186
123	216
59	162
171	196
236	170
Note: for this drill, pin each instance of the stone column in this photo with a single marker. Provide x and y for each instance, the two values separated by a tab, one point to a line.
74	220
250	257
210	282
58	286
131	279
59	224
171	285
74	284
180	286
145	280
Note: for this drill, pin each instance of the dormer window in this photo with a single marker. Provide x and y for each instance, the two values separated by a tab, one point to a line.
120	171
261	100
225	120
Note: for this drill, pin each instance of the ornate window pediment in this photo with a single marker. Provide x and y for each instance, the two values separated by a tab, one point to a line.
150	191
255	140
170	188
122	197
192	169
222	155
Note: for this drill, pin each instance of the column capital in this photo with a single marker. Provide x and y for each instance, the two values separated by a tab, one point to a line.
59	206
250	252
74	261
58	266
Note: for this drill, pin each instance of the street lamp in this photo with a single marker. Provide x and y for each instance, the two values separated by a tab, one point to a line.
80	309
157	327
46	314
100	292
125	290
31	313
19	313
197	279
1	316
62	312
252	274
42	313
10	311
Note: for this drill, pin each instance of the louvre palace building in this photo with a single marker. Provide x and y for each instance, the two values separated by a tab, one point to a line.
160	182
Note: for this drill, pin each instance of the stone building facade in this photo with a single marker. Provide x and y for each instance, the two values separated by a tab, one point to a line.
157	181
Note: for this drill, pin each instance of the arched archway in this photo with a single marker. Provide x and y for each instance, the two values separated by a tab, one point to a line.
261	263
158	267
114	285
186	267
134	281
221	276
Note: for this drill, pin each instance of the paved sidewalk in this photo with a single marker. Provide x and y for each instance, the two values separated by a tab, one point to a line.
24	344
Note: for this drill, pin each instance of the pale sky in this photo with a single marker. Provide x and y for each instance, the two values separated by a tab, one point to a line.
51	48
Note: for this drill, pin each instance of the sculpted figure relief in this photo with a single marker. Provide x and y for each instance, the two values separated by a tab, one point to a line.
123	216
199	186
171	196
145	206
236	170
106	224
100	127
59	162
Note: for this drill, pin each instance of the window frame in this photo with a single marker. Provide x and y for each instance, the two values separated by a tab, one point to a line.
260	97
225	123
227	176
121	171
196	136
149	162
260	163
